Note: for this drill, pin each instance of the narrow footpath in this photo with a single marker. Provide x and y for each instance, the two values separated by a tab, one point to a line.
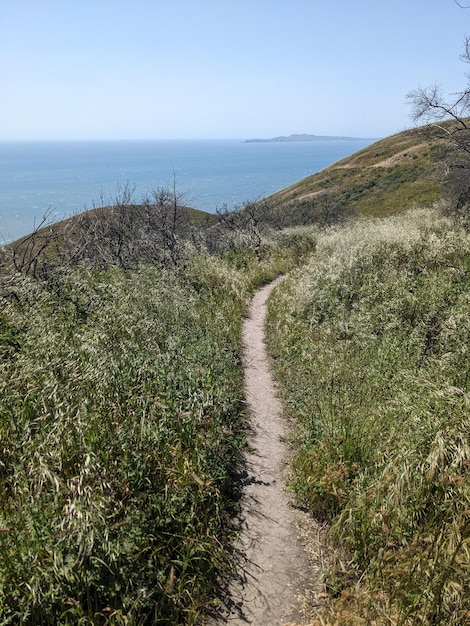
279	560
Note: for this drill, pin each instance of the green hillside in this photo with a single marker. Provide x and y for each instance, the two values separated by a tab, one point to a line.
370	340
382	179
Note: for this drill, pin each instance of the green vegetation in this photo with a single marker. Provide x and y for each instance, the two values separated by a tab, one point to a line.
121	424
371	342
116	448
381	179
122	417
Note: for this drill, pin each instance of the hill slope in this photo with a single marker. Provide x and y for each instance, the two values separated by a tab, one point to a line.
383	178
370	344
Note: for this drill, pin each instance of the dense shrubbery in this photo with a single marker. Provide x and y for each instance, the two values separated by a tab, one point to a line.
371	342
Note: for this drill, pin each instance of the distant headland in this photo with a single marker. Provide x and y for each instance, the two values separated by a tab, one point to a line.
305	137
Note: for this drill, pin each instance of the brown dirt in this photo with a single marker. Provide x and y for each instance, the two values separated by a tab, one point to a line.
280	547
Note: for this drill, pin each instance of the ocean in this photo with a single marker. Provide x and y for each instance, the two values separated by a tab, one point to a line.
64	178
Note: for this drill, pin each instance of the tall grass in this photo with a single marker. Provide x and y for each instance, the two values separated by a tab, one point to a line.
371	344
121	425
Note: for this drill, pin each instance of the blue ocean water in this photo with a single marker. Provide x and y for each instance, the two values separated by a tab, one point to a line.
69	177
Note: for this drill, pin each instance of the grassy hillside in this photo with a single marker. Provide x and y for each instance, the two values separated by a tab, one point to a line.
121	425
371	344
381	179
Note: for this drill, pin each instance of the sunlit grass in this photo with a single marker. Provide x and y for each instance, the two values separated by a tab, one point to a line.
122	424
371	353
382	179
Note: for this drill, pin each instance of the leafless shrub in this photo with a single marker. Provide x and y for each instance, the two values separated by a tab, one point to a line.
244	226
120	231
448	118
36	254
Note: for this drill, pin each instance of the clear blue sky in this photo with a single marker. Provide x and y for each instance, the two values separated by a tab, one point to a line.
131	69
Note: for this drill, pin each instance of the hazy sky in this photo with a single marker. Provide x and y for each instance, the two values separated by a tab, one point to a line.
131	69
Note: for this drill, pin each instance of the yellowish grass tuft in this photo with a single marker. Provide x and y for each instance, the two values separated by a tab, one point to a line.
371	348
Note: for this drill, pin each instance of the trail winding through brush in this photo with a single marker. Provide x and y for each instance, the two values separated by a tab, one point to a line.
276	573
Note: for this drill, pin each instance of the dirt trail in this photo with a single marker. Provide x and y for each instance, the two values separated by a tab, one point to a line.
276	573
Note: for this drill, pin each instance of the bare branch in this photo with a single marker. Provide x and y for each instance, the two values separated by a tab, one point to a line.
431	106
428	104
28	252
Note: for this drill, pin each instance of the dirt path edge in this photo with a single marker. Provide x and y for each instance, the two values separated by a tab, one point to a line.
279	546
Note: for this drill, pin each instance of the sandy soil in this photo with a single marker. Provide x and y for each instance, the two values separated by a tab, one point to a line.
280	547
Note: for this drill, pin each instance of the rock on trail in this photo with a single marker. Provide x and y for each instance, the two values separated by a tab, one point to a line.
275	573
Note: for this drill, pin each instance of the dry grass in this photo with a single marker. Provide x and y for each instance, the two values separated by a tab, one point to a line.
371	344
392	173
121	426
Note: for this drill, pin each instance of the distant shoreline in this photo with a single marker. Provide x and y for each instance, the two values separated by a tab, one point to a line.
306	137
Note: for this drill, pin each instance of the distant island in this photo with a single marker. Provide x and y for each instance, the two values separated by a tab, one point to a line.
305	137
